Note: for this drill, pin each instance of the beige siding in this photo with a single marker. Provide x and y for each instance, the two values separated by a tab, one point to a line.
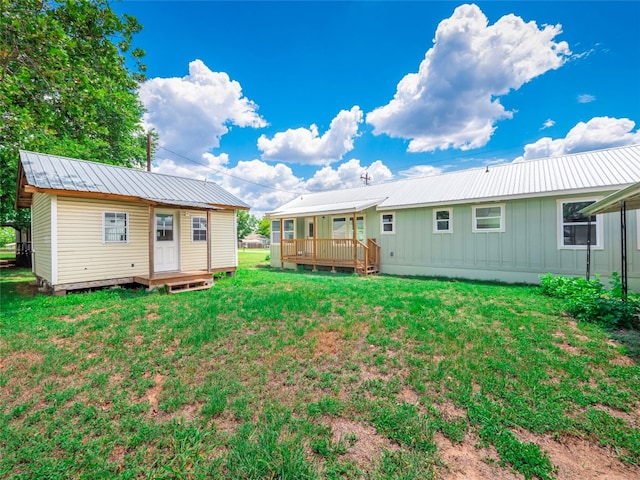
224	252
83	255
41	235
193	254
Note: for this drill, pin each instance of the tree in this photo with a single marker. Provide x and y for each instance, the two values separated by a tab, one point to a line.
65	88
247	224
264	227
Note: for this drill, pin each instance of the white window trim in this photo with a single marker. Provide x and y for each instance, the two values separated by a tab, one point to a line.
502	228
435	220
206	228
54	240
349	219
306	232
285	231
638	227
273	230
393	223
598	223
104	239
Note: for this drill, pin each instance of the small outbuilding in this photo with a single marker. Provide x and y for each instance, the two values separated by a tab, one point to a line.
94	224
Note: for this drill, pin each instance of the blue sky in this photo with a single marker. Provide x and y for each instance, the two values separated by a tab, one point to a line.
271	99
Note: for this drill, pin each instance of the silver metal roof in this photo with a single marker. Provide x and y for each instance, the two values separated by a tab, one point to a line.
51	172
601	170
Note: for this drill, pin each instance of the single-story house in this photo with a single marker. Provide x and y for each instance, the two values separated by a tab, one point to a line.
254	240
94	224
508	222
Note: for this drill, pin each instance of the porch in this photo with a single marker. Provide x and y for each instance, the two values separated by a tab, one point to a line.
363	257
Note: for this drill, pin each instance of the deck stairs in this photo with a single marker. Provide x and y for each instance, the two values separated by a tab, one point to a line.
180	286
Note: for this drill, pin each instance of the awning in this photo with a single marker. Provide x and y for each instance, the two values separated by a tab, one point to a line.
326	209
611	203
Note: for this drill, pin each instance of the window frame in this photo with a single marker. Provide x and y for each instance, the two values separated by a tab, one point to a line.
349	223
474	218
200	229
275	231
392	223
598	224
292	231
449	220
105	226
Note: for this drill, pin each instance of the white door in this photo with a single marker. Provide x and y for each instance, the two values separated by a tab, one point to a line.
165	255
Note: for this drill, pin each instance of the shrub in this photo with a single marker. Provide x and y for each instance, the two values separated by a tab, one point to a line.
588	301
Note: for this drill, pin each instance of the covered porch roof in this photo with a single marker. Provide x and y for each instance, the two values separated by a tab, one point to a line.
611	203
337	208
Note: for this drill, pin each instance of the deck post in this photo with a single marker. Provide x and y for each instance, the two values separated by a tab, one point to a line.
209	241
152	232
281	244
315	243
355	238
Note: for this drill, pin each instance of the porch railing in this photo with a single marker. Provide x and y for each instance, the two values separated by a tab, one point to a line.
343	252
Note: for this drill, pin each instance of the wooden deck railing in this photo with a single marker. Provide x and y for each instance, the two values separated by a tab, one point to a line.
343	252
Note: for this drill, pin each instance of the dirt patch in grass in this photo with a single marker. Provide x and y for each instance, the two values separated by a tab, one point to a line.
623	361
449	411
83	316
327	342
368	445
569	349
467	461
27	289
579	459
408	395
153	393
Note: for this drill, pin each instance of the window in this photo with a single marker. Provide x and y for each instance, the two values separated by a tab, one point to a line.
310	229
387	223
275	231
574	226
116	227
199	229
488	218
343	227
288	229
442	221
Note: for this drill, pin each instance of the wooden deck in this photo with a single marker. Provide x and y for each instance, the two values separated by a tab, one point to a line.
178	281
363	257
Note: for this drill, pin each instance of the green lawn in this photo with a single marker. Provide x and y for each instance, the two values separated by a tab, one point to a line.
275	374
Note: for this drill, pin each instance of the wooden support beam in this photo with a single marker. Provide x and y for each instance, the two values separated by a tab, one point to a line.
208	240
152	234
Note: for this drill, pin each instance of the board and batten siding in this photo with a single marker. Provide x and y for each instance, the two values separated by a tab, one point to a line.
41	236
193	254
224	243
527	248
82	253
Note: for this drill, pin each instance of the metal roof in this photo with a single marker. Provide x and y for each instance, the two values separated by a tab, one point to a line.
600	170
51	172
612	203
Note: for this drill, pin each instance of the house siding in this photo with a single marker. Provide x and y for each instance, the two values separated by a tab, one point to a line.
82	254
193	254
41	235
224	249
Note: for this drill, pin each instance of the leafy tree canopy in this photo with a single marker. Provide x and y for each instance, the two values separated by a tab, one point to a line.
65	88
264	227
247	224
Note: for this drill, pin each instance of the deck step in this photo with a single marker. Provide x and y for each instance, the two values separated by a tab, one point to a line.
188	286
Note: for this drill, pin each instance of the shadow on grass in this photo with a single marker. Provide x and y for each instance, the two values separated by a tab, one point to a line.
630	340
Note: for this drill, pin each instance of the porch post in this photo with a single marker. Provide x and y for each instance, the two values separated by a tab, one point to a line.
623	247
588	247
281	244
209	241
315	243
152	230
355	238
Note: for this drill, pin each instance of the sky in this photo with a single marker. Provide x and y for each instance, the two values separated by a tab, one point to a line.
272	99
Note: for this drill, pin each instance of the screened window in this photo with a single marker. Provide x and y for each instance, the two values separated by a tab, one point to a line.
288	229
488	218
340	227
275	231
310	230
387	223
116	227
574	226
199	229
442	221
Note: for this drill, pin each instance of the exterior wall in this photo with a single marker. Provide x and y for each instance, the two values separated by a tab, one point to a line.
82	254
526	249
41	236
193	254
224	246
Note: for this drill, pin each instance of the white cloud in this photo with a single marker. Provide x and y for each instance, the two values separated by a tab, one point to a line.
548	124
597	133
191	113
347	175
421	171
586	98
306	146
452	100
